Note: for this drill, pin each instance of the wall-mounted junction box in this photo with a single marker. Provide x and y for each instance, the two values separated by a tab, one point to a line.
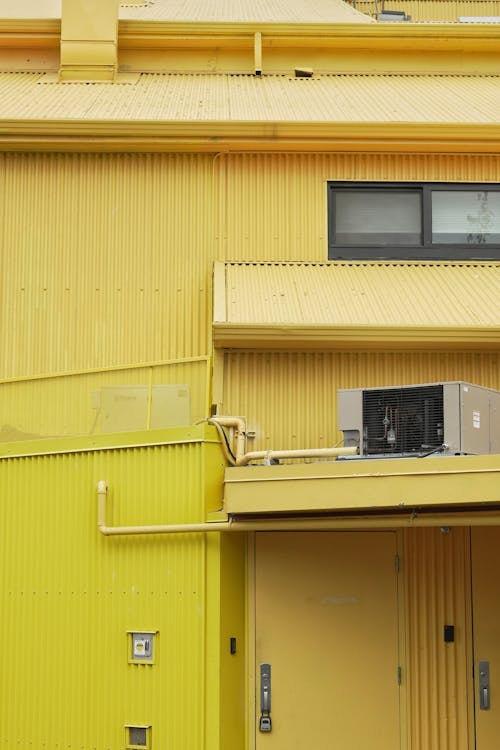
142	646
451	418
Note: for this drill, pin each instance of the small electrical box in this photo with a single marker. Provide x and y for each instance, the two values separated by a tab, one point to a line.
142	646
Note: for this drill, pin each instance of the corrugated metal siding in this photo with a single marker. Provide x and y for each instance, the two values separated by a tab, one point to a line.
327	98
290	398
69	595
436	569
414	294
273	206
105	259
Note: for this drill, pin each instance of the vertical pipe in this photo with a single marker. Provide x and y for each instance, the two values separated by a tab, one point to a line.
258	53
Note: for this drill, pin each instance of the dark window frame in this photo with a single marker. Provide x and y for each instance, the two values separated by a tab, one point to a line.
428	250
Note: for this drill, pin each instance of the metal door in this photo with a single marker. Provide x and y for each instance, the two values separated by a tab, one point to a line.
485	556
327	635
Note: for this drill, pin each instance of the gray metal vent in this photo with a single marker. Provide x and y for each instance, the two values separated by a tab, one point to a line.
138	736
403	420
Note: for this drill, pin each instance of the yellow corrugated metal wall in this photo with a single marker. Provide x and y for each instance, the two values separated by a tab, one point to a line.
106	259
273	206
290	398
69	595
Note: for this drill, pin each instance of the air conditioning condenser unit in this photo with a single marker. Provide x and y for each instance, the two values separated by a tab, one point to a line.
452	418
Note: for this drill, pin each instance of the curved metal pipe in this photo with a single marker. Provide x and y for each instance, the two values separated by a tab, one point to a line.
181	528
243	459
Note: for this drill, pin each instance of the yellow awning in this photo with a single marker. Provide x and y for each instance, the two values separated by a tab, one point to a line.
357	305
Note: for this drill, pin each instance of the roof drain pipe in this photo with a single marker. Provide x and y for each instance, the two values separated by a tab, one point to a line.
177	528
243	459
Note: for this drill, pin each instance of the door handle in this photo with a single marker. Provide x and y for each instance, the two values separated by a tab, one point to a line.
265	698
484	685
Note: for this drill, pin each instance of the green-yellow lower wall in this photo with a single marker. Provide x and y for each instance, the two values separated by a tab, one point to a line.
69	595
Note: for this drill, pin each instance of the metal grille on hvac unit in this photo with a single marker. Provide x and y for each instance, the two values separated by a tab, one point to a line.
403	420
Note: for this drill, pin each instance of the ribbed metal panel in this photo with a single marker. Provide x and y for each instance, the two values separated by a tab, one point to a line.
328	98
69	595
290	398
391	294
273	206
102	260
437	576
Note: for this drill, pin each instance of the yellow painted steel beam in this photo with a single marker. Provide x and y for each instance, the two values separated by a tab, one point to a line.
364	485
352	337
225	136
137	33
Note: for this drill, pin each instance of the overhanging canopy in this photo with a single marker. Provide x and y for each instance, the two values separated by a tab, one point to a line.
357	305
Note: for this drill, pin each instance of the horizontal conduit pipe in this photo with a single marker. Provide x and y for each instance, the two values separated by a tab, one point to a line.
300	453
242	458
102	494
478	518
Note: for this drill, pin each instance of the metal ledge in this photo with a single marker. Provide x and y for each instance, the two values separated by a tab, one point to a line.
452	482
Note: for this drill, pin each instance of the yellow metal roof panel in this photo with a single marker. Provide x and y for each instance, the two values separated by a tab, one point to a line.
313	297
30	9
206	11
279	11
337	99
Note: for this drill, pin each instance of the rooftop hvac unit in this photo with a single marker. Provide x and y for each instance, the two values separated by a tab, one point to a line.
452	418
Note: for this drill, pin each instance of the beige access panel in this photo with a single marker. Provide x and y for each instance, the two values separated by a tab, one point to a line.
327	624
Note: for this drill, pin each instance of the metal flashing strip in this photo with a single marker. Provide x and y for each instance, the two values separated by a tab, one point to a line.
111	442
